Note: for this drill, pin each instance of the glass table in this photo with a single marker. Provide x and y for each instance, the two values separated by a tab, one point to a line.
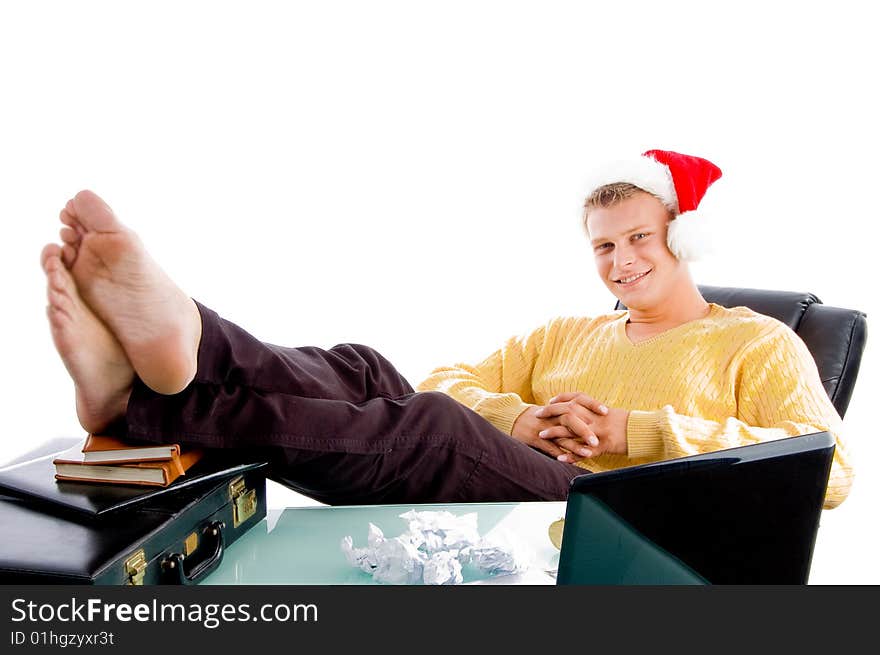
301	545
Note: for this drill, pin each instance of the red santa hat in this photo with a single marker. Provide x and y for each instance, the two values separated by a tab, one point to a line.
680	182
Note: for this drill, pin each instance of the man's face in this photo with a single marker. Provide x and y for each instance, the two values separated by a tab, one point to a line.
629	245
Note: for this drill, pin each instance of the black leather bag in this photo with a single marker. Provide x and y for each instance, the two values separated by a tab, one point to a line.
176	537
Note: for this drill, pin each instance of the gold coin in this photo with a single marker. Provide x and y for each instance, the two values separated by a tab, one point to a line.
555	532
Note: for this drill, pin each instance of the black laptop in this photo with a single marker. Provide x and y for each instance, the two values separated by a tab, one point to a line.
745	515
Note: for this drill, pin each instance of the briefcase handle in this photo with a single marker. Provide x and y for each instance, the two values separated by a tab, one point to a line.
174	565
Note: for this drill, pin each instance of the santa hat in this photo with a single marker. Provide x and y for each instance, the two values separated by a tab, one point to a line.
680	182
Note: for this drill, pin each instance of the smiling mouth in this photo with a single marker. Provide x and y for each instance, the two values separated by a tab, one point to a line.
632	278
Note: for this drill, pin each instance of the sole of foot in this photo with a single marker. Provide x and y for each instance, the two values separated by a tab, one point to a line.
158	325
101	372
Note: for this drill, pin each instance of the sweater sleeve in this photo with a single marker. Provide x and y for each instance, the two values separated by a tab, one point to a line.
779	394
500	387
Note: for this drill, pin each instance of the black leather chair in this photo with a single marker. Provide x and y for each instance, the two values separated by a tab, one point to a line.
836	337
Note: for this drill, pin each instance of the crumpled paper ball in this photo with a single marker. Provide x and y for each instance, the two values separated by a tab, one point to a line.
433	551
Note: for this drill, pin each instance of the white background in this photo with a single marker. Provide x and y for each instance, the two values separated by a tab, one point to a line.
409	174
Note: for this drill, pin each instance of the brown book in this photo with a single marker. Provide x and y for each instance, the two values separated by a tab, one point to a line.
100	449
69	465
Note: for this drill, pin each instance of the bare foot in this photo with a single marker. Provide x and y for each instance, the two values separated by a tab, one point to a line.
102	375
157	324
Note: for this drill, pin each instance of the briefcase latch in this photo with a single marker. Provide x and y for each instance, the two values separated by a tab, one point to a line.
135	567
244	501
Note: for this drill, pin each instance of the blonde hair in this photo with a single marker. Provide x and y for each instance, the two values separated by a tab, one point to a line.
609	195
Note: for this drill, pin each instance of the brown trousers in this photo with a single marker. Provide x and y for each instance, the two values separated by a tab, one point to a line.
341	426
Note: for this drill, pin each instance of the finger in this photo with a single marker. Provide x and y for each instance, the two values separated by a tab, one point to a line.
582	399
574	446
560	432
558	409
579	428
551	449
564	397
569	407
556	432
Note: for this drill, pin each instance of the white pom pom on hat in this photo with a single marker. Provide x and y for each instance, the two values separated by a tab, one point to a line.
680	182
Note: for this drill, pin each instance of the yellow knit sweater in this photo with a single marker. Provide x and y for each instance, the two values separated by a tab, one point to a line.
732	378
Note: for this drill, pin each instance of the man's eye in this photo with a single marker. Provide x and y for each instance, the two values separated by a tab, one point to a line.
603	246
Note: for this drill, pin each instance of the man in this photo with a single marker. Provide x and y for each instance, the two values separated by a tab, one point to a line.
671	376
678	375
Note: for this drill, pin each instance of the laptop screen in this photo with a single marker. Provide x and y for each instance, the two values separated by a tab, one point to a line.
745	515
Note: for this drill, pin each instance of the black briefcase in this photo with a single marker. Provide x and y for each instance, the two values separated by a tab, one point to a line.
177	536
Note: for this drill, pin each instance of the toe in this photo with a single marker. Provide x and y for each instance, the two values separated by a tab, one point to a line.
61	290
68	255
69	235
57	300
50	250
61	279
55	278
93	213
67	216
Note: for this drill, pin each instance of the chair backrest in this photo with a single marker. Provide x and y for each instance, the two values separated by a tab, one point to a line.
835	337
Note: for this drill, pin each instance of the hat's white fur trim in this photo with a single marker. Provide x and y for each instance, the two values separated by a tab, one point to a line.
644	172
689	236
